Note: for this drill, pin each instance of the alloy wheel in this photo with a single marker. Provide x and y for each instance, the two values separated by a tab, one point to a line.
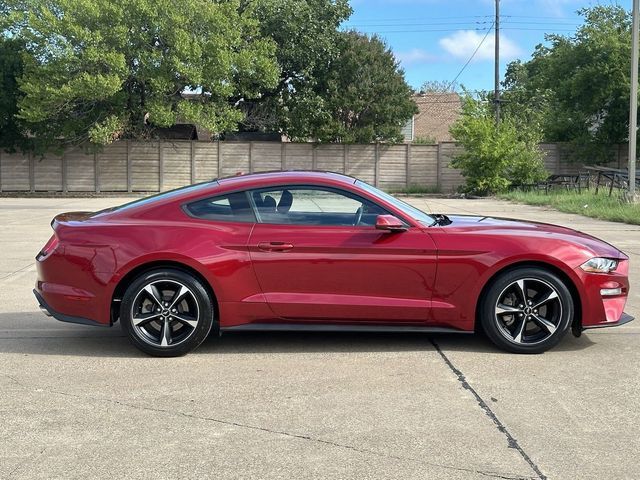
164	313
528	311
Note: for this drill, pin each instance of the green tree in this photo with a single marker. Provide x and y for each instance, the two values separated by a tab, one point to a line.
361	96
495	156
578	85
99	70
305	33
11	63
438	86
518	101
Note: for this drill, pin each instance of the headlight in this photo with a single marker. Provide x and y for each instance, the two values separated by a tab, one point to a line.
599	265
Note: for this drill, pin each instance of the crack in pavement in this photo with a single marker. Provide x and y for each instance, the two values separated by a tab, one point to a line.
275	432
29	460
20	270
511	441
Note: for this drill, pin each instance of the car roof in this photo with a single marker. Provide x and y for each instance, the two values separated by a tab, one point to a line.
284	176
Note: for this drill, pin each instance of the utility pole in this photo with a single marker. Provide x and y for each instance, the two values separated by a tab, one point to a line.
633	110
496	91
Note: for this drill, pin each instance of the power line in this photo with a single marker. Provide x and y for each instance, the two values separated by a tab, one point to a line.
413	24
550	30
483	22
468	18
477	25
472	55
531	16
413	18
427	30
514	22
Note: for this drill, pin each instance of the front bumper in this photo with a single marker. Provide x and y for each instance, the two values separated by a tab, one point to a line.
624	318
47	310
601	305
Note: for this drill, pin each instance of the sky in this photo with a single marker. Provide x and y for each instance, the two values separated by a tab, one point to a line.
433	39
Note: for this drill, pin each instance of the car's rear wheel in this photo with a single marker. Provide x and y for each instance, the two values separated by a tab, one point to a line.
166	312
527	310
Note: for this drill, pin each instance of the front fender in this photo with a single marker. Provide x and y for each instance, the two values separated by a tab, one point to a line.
537	260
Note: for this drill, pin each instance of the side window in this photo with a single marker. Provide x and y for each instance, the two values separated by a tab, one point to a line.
314	206
233	207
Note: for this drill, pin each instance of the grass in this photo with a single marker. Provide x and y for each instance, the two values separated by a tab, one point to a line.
415	189
586	203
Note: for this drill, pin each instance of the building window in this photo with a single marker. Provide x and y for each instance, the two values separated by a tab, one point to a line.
408	130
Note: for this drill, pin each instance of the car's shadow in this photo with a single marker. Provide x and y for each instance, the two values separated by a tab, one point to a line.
41	337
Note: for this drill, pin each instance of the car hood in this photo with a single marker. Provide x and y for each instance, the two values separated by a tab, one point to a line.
515	228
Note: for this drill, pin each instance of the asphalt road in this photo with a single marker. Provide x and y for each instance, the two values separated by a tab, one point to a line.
81	402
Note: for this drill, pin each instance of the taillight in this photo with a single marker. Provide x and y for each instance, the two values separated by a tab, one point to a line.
49	247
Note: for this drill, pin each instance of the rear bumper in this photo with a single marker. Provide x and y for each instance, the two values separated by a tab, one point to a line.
69	286
47	310
624	318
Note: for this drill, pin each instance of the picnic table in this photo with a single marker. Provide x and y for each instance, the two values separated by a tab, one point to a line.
566	180
601	176
613	177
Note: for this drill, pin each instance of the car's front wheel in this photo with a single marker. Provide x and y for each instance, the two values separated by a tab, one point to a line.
166	312
527	310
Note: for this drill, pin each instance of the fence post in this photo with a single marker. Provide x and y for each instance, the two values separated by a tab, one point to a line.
129	183
219	159
250	157
65	186
283	155
407	165
439	167
193	162
32	173
0	170
160	165
96	172
314	155
376	167
345	157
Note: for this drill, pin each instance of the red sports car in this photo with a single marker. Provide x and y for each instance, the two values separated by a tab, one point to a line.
322	251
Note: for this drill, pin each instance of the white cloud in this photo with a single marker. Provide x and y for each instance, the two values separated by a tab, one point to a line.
414	56
463	43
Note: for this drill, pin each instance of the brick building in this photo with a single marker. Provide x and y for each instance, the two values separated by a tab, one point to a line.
437	113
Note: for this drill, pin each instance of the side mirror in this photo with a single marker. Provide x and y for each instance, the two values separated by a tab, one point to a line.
389	223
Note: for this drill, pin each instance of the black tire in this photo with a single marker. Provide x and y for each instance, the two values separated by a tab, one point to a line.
513	323
167	297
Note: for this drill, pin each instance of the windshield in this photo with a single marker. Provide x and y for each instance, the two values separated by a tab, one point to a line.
410	210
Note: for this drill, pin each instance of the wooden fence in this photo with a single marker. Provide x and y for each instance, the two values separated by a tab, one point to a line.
133	166
136	166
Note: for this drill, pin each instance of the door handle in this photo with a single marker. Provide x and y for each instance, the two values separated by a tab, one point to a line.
274	246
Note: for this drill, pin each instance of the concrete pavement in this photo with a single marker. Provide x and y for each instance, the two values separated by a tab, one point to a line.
81	402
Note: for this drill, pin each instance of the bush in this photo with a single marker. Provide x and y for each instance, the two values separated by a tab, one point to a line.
495	156
427	140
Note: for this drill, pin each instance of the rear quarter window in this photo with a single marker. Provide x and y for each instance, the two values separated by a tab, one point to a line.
232	207
158	197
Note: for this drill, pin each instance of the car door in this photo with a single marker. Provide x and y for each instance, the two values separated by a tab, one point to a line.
318	256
